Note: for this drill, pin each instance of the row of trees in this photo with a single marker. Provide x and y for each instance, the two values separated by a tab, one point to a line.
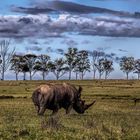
74	62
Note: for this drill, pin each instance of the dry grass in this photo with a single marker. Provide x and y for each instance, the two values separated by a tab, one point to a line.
115	115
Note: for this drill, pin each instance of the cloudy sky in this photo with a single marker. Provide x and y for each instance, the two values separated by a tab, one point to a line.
36	25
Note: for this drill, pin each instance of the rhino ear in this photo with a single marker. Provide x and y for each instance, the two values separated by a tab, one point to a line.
79	91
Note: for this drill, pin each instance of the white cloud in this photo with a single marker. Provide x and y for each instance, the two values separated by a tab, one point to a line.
42	26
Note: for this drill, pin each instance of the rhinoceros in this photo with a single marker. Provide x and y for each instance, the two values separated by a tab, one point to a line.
56	96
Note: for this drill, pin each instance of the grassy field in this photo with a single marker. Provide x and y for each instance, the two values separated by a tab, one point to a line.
115	116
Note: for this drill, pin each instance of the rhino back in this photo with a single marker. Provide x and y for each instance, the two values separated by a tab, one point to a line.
54	95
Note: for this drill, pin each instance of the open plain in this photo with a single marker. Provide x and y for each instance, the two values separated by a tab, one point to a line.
115	115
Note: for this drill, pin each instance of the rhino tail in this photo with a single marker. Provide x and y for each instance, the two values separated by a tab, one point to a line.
35	97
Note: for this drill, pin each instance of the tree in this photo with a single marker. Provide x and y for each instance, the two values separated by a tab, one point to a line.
30	63
96	55
127	65
6	55
71	57
19	64
42	65
58	67
100	67
16	64
137	68
76	67
24	68
83	64
108	67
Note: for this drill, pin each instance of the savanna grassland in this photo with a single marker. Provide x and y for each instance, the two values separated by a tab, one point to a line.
115	116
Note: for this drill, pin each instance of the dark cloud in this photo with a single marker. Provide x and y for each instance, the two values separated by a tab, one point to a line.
121	50
34	10
31	41
34	48
49	49
60	51
48	41
45	6
74	7
85	42
114	39
10	31
43	26
71	43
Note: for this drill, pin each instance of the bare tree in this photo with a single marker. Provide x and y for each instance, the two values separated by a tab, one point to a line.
100	67
96	55
6	55
137	68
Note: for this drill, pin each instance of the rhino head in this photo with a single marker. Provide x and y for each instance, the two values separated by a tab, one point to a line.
79	106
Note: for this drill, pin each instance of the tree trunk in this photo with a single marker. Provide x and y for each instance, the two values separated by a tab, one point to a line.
94	74
24	75
127	75
105	75
82	76
30	75
2	73
138	76
100	75
76	75
2	76
43	75
70	75
57	77
16	76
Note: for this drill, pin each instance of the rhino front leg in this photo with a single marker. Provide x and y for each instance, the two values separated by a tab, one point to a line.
37	108
41	110
69	109
55	110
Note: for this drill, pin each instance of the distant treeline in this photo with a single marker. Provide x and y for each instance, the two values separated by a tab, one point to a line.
73	62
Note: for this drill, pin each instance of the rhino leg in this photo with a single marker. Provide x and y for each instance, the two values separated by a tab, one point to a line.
55	110
69	109
42	110
42	104
37	108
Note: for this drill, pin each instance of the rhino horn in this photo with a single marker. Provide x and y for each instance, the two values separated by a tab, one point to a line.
89	105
